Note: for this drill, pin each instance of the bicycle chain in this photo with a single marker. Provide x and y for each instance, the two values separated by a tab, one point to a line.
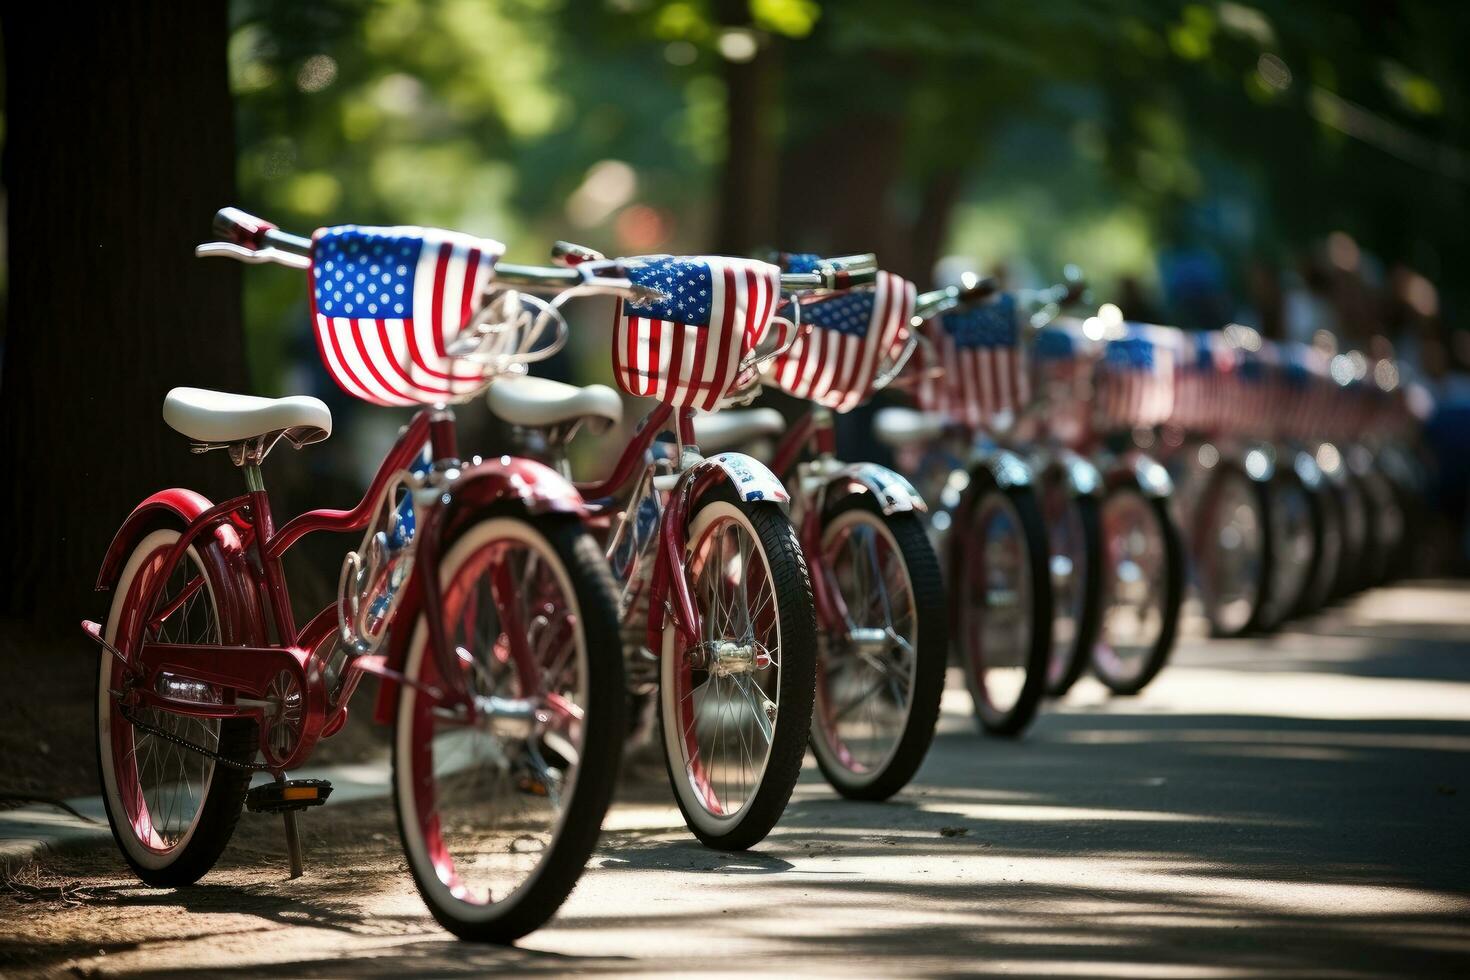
207	753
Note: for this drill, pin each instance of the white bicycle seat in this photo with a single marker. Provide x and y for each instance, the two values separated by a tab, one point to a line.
736	428
538	402
899	427
220	418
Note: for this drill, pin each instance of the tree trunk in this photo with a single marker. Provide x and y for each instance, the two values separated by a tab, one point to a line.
748	181
119	147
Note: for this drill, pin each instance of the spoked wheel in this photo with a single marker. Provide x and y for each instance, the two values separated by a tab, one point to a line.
1318	591
499	807
1002	595
880	674
1075	544
1143	588
1295	528
1356	534
736	710
172	810
1233	551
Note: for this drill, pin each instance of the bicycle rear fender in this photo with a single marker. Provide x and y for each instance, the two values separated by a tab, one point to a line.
180	504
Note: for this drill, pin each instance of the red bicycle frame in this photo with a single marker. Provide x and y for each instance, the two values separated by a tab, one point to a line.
257	611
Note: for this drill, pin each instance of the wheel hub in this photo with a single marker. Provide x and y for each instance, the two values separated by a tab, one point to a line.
725	658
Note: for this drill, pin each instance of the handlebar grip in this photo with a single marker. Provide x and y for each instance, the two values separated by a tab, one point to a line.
241	227
570	254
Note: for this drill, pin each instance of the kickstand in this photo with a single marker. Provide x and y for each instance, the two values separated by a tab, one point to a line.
293	842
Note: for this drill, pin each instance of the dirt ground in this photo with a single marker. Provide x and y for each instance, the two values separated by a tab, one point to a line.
1292	806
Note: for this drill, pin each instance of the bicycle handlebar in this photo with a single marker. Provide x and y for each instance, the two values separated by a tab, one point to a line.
950	298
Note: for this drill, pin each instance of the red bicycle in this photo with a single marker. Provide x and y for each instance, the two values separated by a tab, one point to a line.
880	603
716	601
477	596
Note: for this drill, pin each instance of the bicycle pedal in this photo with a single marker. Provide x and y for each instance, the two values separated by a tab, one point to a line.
293	794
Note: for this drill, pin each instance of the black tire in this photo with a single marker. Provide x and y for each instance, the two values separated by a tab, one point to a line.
1233	607
1294	522
225	796
1070	656
544	889
1318	592
1023	511
1130	678
926	683
797	659
1356	535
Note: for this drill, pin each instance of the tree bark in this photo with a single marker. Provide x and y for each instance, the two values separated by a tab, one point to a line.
747	191
119	147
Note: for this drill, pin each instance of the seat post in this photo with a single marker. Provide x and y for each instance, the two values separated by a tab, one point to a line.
254	481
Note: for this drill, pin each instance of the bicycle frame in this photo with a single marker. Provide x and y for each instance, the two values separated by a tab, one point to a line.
686	477
261	608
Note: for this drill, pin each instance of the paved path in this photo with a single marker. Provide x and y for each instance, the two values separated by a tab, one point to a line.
1292	806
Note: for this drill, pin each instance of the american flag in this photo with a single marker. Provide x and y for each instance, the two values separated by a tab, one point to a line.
686	348
1064	358
386	301
845	341
1135	381
984	365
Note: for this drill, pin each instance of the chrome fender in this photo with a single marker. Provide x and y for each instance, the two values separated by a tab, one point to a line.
1146	473
1082	477
893	493
752	479
1006	468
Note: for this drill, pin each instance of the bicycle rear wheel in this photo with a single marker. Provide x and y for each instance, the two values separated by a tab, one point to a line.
1233	551
880	677
1002	597
172	810
499	808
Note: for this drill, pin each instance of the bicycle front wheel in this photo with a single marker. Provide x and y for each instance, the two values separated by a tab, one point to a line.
736	708
1143	588
500	807
880	674
1002	592
1074	537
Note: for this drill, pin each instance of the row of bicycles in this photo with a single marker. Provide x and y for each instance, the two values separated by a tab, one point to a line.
728	605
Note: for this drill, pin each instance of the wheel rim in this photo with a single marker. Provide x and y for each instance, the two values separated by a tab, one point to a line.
1067	548
1232	554
1135	582
1293	544
996	613
866	669
722	703
156	788
485	807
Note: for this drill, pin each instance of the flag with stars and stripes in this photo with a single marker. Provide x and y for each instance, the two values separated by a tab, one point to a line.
686	347
386	302
979	349
1135	379
845	341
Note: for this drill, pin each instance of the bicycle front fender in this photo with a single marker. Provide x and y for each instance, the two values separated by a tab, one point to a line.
1145	473
892	493
751	479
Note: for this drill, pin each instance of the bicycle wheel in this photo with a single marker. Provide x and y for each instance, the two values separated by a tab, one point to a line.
172	810
1002	596
1356	531
499	816
1232	551
1294	524
736	710
1329	555
1143	589
1074	538
880	678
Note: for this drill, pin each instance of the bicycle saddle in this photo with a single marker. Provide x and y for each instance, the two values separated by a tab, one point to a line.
899	427
218	418
734	429
539	402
